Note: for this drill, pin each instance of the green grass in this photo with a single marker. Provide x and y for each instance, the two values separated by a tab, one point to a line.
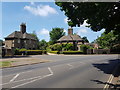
5	63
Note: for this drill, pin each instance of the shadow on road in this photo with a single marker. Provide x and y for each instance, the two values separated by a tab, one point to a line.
108	67
115	86
111	67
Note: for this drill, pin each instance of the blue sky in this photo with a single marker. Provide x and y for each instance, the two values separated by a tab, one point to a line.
40	17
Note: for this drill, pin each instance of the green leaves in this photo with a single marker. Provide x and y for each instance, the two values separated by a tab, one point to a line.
56	34
98	14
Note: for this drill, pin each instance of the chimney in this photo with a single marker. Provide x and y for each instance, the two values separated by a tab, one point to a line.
70	31
23	27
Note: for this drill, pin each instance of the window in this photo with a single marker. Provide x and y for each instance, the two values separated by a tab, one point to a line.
18	40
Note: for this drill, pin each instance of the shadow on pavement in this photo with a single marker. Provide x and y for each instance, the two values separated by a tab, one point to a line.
109	67
115	86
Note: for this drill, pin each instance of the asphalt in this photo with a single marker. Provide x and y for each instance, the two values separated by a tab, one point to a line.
84	71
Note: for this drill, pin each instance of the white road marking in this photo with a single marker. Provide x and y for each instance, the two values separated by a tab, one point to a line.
21	80
14	77
109	81
71	66
50	70
51	73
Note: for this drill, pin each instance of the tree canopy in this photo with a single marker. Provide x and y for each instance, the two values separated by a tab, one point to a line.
99	15
43	45
107	41
85	39
56	34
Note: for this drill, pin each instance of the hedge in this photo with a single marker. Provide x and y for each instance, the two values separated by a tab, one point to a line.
72	52
30	52
55	52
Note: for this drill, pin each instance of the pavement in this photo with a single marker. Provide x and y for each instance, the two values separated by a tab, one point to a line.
90	71
15	61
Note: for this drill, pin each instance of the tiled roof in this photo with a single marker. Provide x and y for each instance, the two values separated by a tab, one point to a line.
18	34
70	38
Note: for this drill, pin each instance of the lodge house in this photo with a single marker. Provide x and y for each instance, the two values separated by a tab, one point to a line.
19	39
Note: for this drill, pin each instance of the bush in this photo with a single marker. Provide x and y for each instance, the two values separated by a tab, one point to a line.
84	48
44	51
68	46
29	52
55	52
72	52
33	52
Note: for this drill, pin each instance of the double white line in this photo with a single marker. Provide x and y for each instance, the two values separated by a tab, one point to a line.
109	81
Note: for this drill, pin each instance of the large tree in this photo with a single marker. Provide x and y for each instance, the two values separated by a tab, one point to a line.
56	34
108	41
99	15
85	39
43	45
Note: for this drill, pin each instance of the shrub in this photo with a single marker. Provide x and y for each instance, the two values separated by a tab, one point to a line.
55	52
33	52
84	48
68	46
44	51
72	52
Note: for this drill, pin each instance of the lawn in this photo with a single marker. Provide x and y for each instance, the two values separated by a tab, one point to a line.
5	63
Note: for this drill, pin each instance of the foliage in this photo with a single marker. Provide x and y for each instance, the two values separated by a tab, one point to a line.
85	39
68	46
56	47
55	52
85	47
107	41
36	37
1	42
99	15
72	52
56	34
43	45
29	52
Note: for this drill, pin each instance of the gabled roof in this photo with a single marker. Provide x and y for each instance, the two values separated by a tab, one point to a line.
18	34
70	38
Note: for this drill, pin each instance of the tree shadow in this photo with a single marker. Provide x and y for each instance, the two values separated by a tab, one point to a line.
115	86
110	67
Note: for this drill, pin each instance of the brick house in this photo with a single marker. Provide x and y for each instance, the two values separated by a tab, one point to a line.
74	39
20	39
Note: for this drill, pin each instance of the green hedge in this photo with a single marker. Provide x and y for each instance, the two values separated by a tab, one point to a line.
29	52
72	52
55	52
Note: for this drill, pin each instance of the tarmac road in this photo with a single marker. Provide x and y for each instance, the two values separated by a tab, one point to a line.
65	71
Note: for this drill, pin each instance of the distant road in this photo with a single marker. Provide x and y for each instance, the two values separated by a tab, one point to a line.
84	71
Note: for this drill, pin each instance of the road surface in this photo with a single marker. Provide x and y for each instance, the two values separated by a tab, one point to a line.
64	71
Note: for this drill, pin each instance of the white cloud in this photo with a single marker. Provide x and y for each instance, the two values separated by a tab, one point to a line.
65	31
41	10
84	24
44	32
82	31
66	20
32	3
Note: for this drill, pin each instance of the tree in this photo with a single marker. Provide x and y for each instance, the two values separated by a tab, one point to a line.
99	15
36	37
56	34
43	45
85	39
107	41
1	42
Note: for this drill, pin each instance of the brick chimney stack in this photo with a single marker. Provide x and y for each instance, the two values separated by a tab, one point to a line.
70	31
23	28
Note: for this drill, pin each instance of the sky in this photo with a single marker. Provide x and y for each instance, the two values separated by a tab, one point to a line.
40	17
